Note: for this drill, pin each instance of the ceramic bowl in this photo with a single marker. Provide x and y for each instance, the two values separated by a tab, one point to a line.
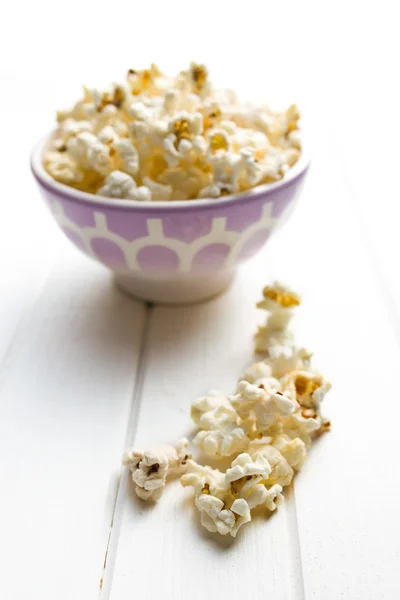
171	252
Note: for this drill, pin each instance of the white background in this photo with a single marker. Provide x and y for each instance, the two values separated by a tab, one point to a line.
84	369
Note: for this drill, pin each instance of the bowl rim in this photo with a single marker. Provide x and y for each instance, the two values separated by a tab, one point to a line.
66	191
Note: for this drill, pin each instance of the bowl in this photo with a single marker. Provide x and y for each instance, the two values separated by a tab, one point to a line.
176	251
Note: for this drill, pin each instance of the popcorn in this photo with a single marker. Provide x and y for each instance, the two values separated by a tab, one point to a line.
294	450
281	471
283	359
128	157
217	496
257	371
180	132
265	427
247	478
274	337
308	388
274	497
70	127
108	135
221	442
215	518
204	479
262	407
278	296
150	469
302	424
121	185
213	411
63	168
158	190
244	466
260	375
220	433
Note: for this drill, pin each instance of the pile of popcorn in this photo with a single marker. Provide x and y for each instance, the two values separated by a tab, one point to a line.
156	137
265	428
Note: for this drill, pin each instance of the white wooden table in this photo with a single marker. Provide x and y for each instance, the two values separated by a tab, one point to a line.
85	370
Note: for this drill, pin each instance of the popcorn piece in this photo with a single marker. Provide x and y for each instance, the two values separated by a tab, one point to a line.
260	375
247	478
150	469
128	156
302	424
216	190
283	359
217	497
244	466
199	75
108	135
70	127
215	518
218	141
281	470
213	411
294	450
274	497
247	169
63	168
274	336
278	296
309	388
212	499
222	442
122	185
204	480
270	340
256	371
158	191
220	434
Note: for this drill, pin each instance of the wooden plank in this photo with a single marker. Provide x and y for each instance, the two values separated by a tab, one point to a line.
65	395
347	495
29	241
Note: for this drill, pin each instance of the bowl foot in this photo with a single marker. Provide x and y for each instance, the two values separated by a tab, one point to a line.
185	290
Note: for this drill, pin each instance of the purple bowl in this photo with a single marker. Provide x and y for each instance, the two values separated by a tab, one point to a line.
184	251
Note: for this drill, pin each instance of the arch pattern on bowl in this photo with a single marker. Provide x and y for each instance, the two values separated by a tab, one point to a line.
188	256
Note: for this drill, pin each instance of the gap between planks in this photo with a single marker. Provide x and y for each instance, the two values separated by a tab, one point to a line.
120	495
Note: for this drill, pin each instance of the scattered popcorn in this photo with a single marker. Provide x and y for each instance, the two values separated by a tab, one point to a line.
150	469
275	337
265	428
152	123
